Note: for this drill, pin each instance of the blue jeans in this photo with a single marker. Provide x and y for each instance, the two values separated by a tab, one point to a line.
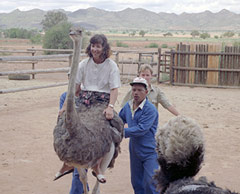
77	186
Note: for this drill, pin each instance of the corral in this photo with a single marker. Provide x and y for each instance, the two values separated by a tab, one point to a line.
28	161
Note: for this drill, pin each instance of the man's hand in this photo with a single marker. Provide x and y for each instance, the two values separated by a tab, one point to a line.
61	111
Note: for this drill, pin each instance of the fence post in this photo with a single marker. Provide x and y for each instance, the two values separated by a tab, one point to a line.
171	68
70	60
159	64
117	58
139	61
33	64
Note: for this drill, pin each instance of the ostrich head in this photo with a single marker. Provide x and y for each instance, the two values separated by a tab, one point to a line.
75	33
180	148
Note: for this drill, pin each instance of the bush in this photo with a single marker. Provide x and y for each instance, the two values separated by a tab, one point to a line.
236	44
164	46
228	34
58	37
205	35
153	45
167	34
195	33
19	33
37	39
120	44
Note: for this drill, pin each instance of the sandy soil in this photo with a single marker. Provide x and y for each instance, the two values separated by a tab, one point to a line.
28	162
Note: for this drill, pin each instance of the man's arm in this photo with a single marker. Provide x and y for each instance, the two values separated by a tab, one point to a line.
165	103
173	110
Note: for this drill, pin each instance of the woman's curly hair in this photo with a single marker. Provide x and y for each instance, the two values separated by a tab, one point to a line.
99	39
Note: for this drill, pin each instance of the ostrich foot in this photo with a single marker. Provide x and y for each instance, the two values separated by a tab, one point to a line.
100	177
59	174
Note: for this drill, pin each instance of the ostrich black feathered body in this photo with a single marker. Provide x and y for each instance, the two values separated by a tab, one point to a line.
181	149
92	136
191	186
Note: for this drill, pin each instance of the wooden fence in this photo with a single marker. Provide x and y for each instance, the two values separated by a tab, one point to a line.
189	65
128	66
129	61
205	65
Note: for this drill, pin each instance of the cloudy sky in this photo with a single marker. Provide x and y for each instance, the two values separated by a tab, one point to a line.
169	6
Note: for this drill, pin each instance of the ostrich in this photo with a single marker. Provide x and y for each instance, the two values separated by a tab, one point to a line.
180	148
83	136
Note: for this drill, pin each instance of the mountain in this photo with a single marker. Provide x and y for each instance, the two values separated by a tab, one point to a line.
22	19
135	19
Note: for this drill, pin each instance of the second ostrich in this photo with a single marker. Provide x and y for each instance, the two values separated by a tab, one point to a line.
180	148
82	135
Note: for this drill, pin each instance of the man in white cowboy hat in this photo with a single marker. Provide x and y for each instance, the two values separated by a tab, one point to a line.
142	119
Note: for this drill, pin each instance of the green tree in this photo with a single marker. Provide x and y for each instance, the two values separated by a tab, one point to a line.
228	34
53	18
167	34
142	33
19	33
37	39
195	33
236	44
120	44
58	37
205	35
133	33
152	45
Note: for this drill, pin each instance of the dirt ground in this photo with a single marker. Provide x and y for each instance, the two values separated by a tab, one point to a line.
28	162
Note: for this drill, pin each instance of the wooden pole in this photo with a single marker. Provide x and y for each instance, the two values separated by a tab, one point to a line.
171	68
32	58
139	61
4	91
117	58
159	65
55	70
33	64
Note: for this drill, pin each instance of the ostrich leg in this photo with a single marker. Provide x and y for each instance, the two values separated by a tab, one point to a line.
83	178
96	188
104	164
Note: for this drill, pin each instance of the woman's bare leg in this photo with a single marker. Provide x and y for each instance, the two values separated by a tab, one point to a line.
102	164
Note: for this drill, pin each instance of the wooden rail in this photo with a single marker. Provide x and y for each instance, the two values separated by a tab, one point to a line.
4	91
33	58
205	65
55	70
141	57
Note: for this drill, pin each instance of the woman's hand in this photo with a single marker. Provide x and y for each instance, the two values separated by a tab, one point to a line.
108	112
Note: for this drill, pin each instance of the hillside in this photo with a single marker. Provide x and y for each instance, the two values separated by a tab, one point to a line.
137	19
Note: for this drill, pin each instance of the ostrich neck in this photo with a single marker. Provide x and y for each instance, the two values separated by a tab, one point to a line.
71	114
